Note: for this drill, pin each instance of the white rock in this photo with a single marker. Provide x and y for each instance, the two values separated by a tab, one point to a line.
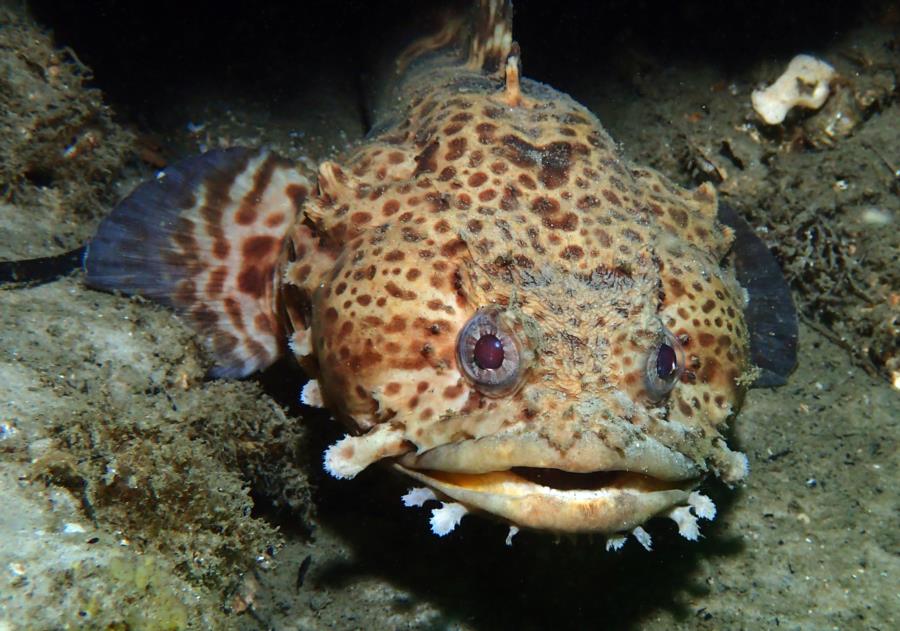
805	83
872	216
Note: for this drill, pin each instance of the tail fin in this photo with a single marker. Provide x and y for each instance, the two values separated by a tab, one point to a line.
481	39
490	41
478	39
205	237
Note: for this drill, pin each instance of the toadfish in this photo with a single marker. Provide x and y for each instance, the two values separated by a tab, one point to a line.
483	291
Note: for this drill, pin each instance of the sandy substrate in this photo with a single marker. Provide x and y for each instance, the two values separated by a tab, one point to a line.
138	492
808	543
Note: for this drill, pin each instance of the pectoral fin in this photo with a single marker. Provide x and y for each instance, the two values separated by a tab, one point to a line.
770	313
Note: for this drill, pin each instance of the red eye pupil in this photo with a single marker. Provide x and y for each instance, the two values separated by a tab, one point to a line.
489	352
666	361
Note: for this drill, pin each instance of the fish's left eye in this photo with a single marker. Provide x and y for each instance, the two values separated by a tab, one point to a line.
664	366
488	353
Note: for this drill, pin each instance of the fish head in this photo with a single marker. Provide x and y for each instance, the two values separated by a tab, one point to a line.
560	378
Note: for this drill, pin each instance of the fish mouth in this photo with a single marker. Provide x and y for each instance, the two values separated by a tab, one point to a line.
602	492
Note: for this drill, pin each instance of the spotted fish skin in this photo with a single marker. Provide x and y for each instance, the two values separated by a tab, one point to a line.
478	189
487	189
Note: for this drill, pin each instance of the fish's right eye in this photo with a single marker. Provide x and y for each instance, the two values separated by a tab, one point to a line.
489	354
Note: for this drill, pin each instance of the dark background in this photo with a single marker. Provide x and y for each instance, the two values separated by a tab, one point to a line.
144	52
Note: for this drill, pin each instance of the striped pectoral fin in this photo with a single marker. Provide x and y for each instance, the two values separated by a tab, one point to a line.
206	237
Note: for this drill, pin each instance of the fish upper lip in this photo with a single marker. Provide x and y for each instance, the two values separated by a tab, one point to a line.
585	460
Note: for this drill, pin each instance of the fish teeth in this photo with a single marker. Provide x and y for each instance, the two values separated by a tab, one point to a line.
447	517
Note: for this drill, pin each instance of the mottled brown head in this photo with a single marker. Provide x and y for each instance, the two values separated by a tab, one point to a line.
491	290
602	281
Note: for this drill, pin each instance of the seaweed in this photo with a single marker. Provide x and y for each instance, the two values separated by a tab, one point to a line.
62	150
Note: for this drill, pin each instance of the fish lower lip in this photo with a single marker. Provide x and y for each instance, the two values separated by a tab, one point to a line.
607	501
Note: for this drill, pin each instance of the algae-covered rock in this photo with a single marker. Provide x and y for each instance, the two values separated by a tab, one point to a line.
103	402
132	475
61	148
58	571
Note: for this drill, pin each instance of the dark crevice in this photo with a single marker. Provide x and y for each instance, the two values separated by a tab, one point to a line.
144	54
567	480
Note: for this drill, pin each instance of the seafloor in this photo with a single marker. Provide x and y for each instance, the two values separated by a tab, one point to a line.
137	494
